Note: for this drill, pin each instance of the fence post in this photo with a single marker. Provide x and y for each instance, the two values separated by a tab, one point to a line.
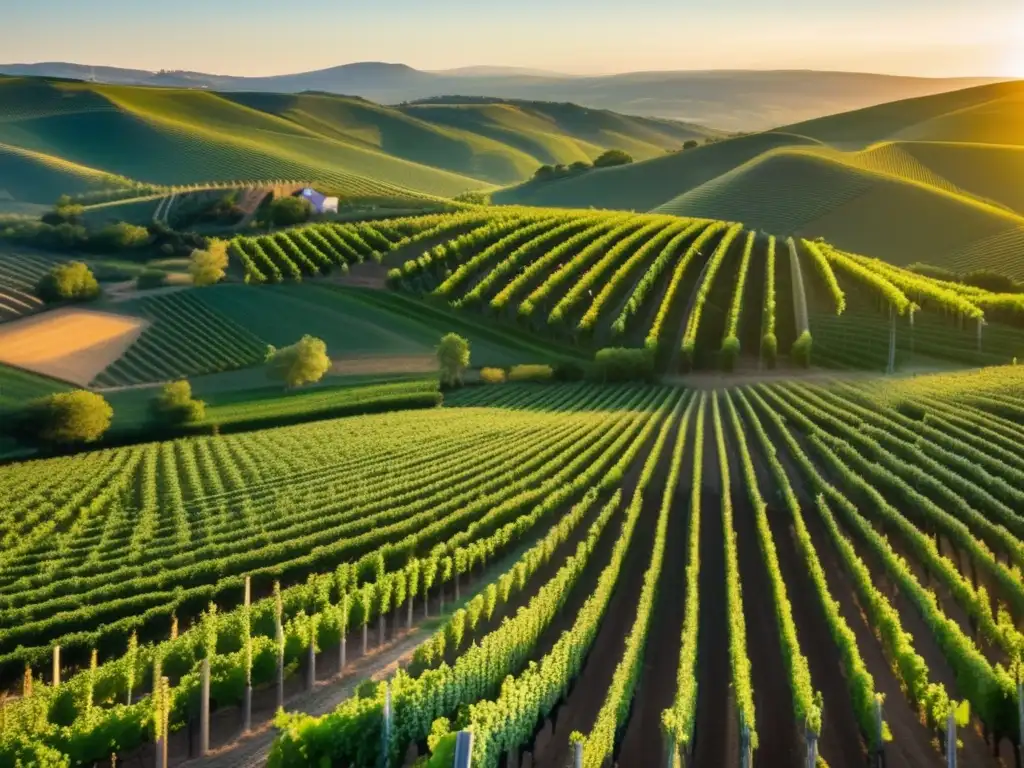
951	740
745	756
56	666
463	749
387	725
247	716
311	681
204	710
577	755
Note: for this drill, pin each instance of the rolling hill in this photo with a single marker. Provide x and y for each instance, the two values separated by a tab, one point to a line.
74	137
735	100
934	179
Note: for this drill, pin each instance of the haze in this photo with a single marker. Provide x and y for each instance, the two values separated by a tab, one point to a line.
937	38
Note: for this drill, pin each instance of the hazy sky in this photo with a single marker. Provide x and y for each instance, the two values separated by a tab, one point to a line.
261	37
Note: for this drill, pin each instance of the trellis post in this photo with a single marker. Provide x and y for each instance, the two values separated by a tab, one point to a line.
463	749
56	666
204	710
951	739
247	716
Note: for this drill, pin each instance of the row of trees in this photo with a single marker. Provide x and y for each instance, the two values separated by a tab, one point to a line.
609	159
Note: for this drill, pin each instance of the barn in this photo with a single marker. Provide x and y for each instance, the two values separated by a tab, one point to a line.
321	203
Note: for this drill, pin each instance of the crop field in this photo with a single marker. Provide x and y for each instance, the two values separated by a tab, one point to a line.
19	273
698	293
627	563
183	337
18	387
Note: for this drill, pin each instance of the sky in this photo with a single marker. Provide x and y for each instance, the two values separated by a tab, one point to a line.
935	38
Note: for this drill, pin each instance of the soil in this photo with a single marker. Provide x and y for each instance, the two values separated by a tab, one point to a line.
368	274
351	366
578	712
656	687
70	344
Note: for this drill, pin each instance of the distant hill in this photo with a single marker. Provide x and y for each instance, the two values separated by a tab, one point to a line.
64	136
933	179
728	100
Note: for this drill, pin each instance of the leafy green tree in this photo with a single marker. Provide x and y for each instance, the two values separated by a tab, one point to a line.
73	281
613	157
304	362
64	212
68	418
691	144
544	173
452	358
286	211
580	165
119	237
175	405
209	266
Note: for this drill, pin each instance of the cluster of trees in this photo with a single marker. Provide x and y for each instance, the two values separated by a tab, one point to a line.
608	159
73	281
210	265
285	212
64	228
986	279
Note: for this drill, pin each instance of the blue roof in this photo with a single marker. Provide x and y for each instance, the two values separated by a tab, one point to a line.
315	198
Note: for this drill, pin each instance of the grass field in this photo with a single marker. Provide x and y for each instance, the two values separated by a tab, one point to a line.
537	524
18	387
61	137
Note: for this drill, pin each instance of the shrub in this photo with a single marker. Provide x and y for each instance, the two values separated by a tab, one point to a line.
540	373
613	157
287	211
73	281
304	362
394	277
474	198
492	375
690	144
801	352
769	349
68	418
624	364
175	406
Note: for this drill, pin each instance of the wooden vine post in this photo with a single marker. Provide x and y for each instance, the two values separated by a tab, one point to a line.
247	630
279	638
56	666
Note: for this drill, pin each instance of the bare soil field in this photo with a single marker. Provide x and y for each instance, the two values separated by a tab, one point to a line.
75	345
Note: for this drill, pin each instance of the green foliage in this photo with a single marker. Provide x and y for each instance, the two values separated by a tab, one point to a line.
119	237
149	279
730	352
304	362
536	373
288	211
175	405
73	281
209	266
452	358
69	418
769	350
623	364
800	354
613	157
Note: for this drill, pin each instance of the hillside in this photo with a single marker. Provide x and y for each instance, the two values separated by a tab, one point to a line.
70	137
734	100
933	179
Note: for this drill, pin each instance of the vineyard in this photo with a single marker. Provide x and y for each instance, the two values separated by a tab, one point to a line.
807	559
697	293
19	273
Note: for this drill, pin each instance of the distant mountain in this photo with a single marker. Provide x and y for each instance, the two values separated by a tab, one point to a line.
729	100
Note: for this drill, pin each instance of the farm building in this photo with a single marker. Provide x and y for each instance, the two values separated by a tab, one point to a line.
321	203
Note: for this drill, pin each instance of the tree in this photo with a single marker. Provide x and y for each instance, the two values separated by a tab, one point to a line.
580	165
691	144
452	358
175	405
69	417
209	266
73	281
119	237
613	157
64	212
544	173
304	362
286	211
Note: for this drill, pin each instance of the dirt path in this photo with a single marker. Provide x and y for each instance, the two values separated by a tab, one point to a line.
252	750
126	291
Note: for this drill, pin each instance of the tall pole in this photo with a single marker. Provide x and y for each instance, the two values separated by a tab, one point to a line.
248	661
951	740
204	710
387	725
56	666
463	749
